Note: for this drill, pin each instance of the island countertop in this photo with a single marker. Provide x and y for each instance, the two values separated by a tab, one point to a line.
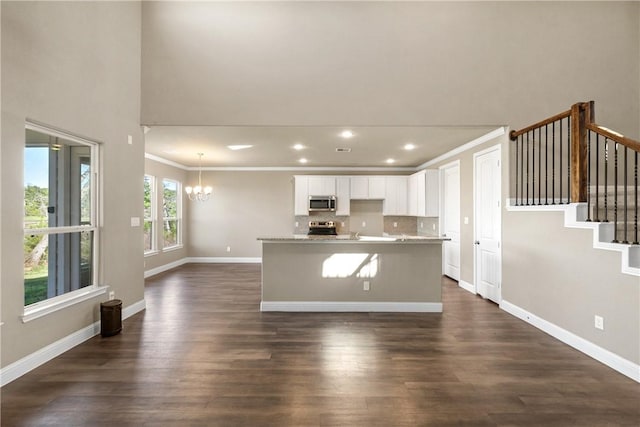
350	238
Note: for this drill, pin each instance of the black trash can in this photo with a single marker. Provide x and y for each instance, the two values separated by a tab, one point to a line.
110	317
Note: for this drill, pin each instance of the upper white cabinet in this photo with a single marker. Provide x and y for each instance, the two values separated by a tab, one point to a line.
432	193
322	185
367	187
343	196
395	199
417	194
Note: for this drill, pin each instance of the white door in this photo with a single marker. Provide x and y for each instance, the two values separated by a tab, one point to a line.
487	254
451	220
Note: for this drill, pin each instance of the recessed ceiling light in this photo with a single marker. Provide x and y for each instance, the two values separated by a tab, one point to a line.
303	160
390	161
346	134
298	147
238	147
343	150
409	146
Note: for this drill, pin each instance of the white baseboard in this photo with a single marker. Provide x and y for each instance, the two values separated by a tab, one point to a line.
600	354
223	260
45	354
467	286
163	268
339	306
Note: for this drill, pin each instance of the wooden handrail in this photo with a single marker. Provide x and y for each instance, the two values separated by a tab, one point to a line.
614	136
516	133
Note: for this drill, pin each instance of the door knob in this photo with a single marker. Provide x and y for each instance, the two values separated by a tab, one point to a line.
477	242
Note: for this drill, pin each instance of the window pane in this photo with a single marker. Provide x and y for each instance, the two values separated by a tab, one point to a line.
56	264
170	199
148	200
57	182
170	232
36	187
148	236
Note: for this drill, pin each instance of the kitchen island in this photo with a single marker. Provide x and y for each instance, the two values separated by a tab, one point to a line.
348	273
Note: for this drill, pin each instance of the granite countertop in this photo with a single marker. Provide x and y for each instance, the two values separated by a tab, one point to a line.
354	238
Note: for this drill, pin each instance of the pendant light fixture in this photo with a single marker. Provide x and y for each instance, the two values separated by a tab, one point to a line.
199	193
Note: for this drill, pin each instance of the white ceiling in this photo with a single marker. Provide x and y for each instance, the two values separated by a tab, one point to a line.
272	146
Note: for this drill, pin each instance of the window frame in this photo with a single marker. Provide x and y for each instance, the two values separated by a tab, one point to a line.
50	305
177	218
154	216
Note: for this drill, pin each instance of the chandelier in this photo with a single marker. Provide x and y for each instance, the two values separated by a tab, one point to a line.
199	193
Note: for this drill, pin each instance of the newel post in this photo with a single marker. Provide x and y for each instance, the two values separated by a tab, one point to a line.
580	116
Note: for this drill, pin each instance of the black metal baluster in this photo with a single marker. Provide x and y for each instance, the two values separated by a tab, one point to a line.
553	164
527	176
533	168
624	214
546	164
588	176
560	163
539	165
635	209
615	192
597	207
606	179
568	161
517	158
521	168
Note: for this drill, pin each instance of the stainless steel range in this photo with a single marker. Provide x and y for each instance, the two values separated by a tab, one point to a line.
322	228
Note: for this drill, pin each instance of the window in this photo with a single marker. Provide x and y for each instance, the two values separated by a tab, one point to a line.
149	214
60	233
171	213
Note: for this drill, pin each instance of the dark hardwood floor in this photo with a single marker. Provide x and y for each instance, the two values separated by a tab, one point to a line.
202	354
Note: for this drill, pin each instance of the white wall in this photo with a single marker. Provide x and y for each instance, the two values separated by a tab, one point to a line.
74	66
389	63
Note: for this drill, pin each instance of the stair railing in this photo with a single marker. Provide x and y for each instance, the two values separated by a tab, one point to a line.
567	158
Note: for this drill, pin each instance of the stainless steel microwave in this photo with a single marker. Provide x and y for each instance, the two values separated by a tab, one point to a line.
322	203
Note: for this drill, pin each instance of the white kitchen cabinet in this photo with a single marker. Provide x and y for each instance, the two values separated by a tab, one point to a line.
367	187
343	196
376	187
412	195
395	199
432	193
322	185
301	195
359	186
416	194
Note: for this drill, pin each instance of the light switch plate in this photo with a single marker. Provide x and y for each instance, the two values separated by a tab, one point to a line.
135	221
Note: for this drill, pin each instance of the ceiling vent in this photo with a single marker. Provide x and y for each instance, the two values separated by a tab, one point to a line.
343	150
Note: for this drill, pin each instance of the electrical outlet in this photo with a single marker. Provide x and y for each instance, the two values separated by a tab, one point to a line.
366	285
364	223
433	226
297	224
228	248
395	225
112	295
421	224
599	322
